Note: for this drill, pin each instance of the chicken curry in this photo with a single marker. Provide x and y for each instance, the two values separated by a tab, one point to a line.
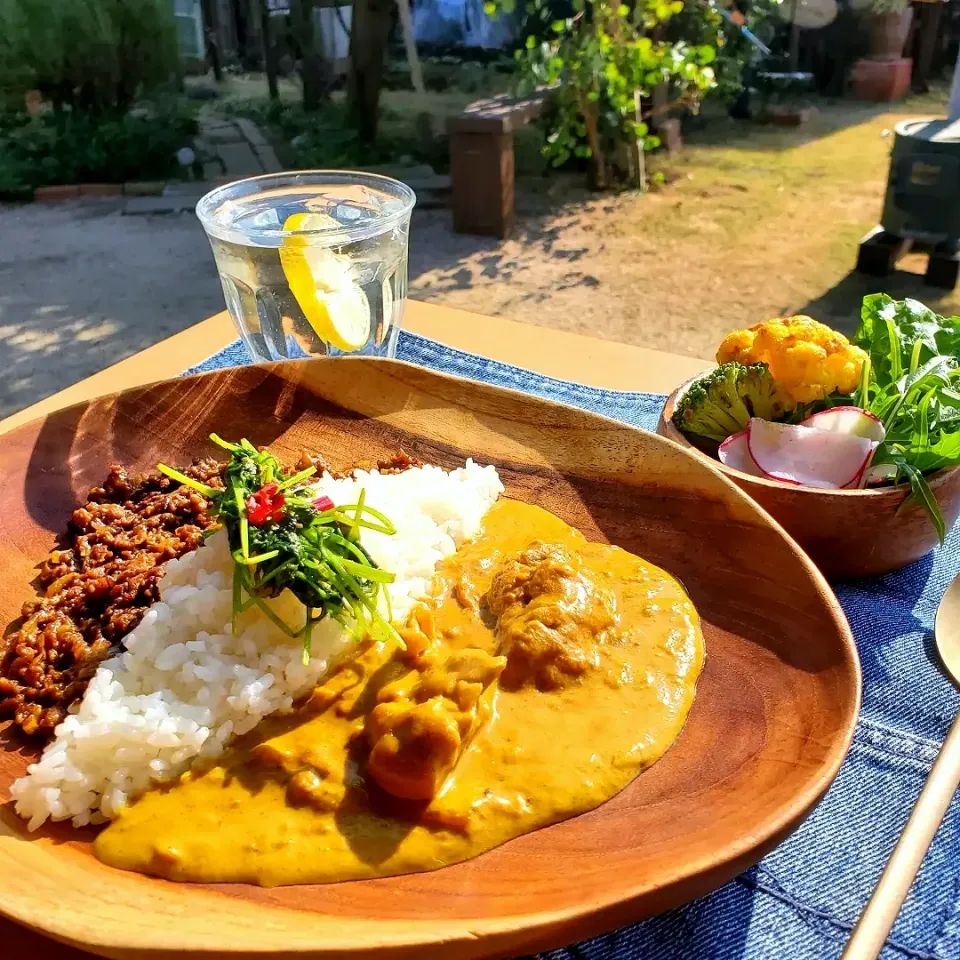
543	674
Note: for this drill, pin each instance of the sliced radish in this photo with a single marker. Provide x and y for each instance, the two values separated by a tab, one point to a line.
857	482
852	420
734	452
808	457
882	473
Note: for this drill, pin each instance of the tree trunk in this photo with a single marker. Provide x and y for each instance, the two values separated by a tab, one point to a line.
269	50
313	68
209	11
598	165
639	171
368	45
246	31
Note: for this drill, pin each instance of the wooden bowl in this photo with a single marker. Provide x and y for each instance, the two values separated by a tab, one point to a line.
847	533
774	716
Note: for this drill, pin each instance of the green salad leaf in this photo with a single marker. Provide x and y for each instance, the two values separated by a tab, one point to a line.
899	333
910	382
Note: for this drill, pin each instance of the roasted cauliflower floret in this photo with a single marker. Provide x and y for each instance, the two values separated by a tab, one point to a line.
807	359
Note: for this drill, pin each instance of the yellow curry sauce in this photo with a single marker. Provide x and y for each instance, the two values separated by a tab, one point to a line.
543	676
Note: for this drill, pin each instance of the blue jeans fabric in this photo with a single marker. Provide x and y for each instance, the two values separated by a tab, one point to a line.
802	900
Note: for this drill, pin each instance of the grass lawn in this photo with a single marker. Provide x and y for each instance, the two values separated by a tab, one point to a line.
778	215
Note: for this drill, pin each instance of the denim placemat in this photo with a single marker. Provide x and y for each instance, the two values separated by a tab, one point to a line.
802	900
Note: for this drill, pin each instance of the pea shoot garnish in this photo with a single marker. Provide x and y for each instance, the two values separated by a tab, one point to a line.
284	537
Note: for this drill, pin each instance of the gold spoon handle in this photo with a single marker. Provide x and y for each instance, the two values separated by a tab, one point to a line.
876	921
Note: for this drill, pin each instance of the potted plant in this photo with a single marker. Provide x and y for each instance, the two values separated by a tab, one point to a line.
887	23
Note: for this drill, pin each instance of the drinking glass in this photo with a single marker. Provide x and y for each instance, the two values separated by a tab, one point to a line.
312	262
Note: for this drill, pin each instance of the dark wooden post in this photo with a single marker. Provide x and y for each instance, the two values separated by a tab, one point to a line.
313	72
481	171
926	17
211	35
369	31
269	50
481	161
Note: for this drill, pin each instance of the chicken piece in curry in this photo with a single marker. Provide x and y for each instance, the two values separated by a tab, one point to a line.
540	677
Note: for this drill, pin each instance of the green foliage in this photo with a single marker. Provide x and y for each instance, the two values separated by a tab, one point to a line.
327	138
601	59
97	55
698	23
72	146
890	330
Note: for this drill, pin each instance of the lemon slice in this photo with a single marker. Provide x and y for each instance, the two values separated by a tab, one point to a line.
387	304
310	221
322	283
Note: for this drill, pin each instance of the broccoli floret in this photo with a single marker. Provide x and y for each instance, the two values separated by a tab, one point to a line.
721	403
762	395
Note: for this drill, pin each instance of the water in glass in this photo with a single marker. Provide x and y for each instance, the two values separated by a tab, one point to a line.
312	263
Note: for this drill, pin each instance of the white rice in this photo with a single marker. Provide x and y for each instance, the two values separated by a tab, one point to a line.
185	686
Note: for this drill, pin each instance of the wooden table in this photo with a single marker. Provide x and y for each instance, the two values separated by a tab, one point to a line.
567	356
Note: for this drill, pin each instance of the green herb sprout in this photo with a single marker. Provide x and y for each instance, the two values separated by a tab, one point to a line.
284	537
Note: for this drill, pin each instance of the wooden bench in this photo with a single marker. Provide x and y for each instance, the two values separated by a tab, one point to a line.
481	156
481	161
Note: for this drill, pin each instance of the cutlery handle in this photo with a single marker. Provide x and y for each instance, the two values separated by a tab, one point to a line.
877	919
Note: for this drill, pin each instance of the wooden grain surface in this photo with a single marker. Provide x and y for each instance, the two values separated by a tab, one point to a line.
773	719
848	533
555	353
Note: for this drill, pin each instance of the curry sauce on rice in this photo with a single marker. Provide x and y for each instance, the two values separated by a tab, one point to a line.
350	676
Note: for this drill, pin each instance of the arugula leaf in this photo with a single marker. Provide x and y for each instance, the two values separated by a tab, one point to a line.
935	454
908	383
891	329
314	553
921	493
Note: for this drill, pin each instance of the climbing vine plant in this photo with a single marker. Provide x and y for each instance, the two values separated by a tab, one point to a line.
604	61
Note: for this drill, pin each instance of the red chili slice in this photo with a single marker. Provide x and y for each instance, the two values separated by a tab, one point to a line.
266	505
321	504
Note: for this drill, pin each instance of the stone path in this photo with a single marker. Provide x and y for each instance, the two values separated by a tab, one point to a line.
234	147
229	149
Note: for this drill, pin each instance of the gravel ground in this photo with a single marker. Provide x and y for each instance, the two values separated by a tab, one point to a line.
82	286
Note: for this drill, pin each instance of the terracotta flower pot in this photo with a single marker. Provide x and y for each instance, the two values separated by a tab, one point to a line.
887	33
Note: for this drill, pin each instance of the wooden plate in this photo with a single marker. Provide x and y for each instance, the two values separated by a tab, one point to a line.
773	719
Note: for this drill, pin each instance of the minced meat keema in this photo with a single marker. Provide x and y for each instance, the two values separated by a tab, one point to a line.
97	588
